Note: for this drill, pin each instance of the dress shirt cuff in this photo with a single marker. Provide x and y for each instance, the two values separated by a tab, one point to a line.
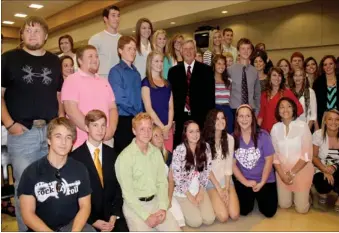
163	206
144	215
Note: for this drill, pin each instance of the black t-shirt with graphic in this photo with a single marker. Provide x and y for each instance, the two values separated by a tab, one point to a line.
55	209
31	83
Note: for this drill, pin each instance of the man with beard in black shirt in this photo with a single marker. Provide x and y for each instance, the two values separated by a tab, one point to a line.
30	88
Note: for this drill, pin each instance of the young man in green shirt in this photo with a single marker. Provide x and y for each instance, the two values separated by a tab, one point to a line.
140	171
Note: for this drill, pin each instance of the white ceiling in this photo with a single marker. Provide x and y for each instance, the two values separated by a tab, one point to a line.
51	7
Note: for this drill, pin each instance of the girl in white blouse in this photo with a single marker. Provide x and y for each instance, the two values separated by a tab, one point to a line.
220	187
292	141
301	89
143	33
326	157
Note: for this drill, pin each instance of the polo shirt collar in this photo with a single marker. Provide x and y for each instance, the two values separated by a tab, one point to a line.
84	74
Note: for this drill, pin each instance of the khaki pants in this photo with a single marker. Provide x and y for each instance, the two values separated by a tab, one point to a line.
135	223
195	216
300	199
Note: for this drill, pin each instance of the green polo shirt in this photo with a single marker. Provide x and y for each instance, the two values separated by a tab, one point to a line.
142	175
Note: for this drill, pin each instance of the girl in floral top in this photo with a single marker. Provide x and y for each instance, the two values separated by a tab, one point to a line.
191	166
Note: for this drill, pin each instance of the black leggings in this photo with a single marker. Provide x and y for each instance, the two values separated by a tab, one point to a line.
322	186
267	198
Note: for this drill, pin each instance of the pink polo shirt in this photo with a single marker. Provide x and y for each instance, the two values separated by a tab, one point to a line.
90	93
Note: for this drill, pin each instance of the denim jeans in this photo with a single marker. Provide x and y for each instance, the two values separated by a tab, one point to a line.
24	149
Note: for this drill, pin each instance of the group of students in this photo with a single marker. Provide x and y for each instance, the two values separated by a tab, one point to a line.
191	109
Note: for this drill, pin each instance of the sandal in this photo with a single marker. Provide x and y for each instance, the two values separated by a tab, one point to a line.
7	208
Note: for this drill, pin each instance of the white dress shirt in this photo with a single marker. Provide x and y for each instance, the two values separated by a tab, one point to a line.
92	149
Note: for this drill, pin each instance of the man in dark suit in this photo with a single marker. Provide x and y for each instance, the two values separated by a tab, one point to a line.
106	213
193	89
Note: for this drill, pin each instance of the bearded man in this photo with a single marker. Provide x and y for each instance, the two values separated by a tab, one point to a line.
30	88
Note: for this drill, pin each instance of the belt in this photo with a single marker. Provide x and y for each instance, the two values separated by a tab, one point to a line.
39	123
146	198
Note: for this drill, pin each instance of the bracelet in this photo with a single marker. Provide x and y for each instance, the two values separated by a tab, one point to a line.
11	125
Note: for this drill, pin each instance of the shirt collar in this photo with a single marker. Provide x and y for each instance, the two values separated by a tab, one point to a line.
125	66
136	147
92	148
192	65
111	33
84	74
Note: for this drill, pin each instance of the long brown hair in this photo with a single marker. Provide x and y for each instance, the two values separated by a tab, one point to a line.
321	64
209	133
304	91
224	76
138	34
170	48
199	153
269	87
255	128
150	57
290	71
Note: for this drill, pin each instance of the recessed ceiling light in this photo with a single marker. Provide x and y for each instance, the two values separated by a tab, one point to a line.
36	6
7	22
20	15
224	12
172	22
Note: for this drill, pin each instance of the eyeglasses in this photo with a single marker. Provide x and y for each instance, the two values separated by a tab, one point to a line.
59	181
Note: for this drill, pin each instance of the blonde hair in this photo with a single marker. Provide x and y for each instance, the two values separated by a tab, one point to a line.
210	42
150	57
154	39
323	123
163	150
64	122
139	117
228	54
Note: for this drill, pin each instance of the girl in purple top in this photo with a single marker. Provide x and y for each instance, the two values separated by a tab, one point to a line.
157	97
253	151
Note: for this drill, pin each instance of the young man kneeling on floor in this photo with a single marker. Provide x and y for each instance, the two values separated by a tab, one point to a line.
54	191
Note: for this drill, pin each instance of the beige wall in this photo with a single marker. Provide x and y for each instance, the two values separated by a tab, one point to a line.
9	44
311	28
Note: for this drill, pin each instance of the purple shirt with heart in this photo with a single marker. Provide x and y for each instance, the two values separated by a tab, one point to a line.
251	160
